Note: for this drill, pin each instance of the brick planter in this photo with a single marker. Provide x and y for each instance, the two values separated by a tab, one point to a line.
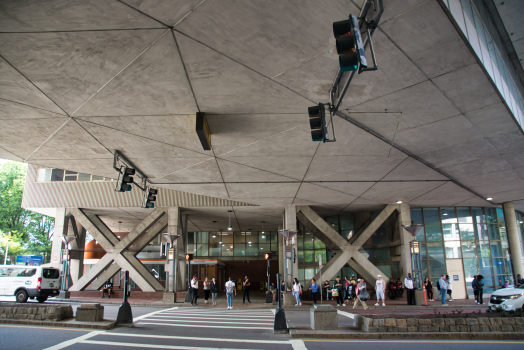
35	312
441	324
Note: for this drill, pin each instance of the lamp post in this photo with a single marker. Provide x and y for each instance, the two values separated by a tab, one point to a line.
171	238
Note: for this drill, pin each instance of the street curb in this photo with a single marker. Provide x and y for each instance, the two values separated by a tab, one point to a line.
70	323
418	336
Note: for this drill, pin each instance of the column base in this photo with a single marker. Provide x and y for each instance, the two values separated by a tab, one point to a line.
169	298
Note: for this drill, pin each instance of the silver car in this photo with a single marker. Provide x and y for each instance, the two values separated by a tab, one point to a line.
508	299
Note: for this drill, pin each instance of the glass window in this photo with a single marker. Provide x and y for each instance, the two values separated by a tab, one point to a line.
252	250
500	267
503	234
333	222
264	237
423	254
435	250
202	237
44	175
469	249
491	215
84	177
481	232
366	253
57	175
300	257
496	248
309	241
500	216
436	267
202	250
466	231
478	216
190	242
68	172
471	267
240	237
309	257
493	232
70	178
382	255
239	250
464	215
97	178
275	236
431	216
264	248
416	217
318	244
226	238
433	232
385	269
323	253
346	222
453	250
347	234
486	266
227	249
448	215
451	232
309	274
381	235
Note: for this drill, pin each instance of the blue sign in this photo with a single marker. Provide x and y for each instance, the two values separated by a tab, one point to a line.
31	260
455	277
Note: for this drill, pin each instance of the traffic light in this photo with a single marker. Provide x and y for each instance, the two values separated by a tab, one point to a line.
317	122
268	256
150	198
125	179
189	257
349	44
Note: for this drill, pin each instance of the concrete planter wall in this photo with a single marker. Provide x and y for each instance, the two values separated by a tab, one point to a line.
442	324
35	312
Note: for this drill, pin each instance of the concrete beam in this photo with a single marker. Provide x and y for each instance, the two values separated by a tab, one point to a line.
367	269
374	225
332	267
112	270
321	229
92	273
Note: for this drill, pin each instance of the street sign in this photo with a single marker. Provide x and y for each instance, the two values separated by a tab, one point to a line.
319	260
170	254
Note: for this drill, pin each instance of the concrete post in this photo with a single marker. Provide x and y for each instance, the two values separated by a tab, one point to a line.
180	246
404	219
290	222
77	253
281	259
513	238
60	231
173	227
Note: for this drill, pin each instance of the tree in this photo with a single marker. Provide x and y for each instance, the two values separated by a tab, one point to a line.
25	231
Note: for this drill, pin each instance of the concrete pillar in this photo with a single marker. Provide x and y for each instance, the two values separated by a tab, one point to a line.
61	223
404	219
290	223
180	246
281	258
513	238
173	227
77	252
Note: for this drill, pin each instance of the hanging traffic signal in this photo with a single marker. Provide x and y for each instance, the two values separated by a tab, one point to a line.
317	122
189	257
268	256
149	198
125	179
350	49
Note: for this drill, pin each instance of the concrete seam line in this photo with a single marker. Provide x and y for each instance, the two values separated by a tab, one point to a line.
50	136
298	344
152	313
70	342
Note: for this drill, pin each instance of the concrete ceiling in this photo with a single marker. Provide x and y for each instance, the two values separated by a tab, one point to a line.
81	79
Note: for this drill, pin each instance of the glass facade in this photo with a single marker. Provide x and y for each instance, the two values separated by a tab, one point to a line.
233	245
475	235
45	175
520	226
478	27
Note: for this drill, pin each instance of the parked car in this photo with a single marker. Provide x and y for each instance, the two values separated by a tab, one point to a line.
29	282
507	298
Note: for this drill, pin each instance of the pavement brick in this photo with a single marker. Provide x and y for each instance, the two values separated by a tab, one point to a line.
437	322
475	328
519	321
510	321
403	329
464	328
506	328
402	322
412	322
495	328
393	329
483	320
495	321
372	329
460	321
472	321
433	329
390	322
444	328
382	329
379	322
424	322
449	322
412	329
423	329
484	328
453	328
518	328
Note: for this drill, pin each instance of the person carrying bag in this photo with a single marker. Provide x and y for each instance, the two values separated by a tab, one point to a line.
361	292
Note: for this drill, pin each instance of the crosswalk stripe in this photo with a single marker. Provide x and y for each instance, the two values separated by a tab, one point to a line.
193	338
201	326
239	318
206	321
150	346
217	314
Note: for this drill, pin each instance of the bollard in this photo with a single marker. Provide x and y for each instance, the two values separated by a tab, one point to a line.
280	325
125	315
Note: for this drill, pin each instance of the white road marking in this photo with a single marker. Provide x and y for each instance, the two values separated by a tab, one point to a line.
203	314
206	321
74	341
201	326
150	346
202	339
347	314
298	344
152	313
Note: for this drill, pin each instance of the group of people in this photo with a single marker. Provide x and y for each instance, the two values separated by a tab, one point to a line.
211	287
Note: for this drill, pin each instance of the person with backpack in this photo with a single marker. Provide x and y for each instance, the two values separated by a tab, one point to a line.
230	289
480	289
474	286
297	290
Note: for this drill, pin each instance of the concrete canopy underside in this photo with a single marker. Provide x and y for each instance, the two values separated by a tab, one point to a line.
80	79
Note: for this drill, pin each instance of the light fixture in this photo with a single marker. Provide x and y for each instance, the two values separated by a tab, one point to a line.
489	199
249	242
263	235
445	214
521	222
220	242
214	236
223	245
261	248
399	202
230	227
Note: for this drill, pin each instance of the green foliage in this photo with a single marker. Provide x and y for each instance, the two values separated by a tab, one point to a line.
25	231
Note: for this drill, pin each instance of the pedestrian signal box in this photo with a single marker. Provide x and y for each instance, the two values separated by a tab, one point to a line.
267	256
189	257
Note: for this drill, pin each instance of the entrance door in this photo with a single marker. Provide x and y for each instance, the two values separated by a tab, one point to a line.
456	275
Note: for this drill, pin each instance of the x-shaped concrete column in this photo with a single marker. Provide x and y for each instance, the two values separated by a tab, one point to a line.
121	254
346	252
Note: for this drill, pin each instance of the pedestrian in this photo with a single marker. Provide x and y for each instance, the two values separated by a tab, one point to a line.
506	284
474	286
380	289
282	289
480	289
194	290
519	281
429	288
245	289
206	289
213	287
400	290
107	287
450	287
346	285
230	289
360	291
392	286
339	287
272	290
410	292
314	290
351	290
443	287
297	289
326	288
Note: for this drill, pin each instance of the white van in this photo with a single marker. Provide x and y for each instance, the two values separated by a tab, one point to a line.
29	282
